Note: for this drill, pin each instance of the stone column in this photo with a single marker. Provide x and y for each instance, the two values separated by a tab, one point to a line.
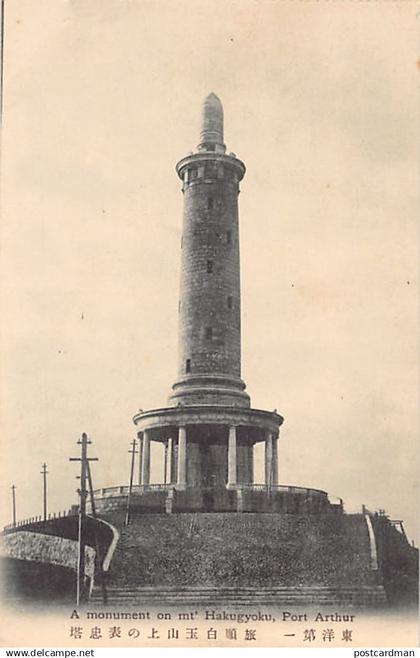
232	465
251	468
169	452
275	478
165	461
174	464
145	471
140	438
269	460
182	458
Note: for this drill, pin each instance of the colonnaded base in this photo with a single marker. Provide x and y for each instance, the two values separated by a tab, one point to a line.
208	446
236	558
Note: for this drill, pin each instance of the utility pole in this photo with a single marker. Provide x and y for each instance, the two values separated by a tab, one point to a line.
133	453
84	461
97	544
92	499
13	488
44	473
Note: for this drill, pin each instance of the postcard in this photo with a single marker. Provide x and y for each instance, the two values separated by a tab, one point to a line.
209	348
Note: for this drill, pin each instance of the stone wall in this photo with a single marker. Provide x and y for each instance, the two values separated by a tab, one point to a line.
39	561
220	499
36	547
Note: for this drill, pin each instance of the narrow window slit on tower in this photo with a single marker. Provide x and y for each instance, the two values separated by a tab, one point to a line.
209	332
230	301
209	266
188	365
210	203
229	237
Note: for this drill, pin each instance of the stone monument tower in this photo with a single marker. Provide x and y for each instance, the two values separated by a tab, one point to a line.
293	546
209	429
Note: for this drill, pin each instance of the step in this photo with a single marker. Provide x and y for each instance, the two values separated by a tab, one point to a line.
235	592
319	595
235	596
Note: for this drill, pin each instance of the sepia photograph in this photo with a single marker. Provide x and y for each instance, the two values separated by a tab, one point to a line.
209	334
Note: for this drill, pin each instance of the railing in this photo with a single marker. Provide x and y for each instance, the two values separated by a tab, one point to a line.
142	488
302	491
32	520
136	489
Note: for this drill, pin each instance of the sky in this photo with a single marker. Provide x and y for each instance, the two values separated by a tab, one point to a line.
101	99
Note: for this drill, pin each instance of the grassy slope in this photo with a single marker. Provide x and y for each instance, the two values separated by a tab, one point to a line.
242	549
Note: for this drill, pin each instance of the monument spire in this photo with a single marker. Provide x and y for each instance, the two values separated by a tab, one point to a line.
209	428
211	133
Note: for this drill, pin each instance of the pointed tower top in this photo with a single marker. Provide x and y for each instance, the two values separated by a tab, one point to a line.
211	133
213	99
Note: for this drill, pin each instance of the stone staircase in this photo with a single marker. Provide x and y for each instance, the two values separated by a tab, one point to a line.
242	559
360	596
